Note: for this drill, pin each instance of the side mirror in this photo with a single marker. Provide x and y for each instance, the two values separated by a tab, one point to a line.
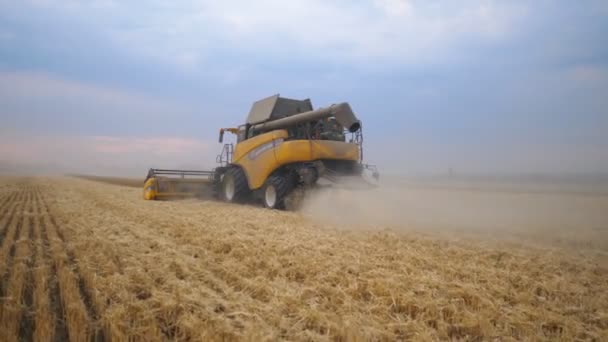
221	136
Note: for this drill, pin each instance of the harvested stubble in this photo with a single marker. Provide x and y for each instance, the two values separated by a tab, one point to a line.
14	282
199	270
44	321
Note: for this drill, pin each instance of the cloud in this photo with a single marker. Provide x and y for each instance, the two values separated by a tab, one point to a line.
591	75
6	36
399	32
24	85
35	101
83	127
162	147
111	155
394	7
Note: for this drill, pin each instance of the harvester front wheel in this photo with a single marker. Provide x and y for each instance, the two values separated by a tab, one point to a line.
275	191
234	185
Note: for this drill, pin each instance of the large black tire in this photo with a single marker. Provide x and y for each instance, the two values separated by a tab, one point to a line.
216	186
274	192
234	187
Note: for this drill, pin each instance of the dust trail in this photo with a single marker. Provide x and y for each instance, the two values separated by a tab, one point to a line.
482	210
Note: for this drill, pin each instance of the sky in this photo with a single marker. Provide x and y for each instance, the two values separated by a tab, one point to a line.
479	87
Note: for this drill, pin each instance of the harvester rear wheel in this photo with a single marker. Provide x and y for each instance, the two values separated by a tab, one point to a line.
234	186
275	191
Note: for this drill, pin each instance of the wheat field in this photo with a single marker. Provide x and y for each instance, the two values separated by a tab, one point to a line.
82	260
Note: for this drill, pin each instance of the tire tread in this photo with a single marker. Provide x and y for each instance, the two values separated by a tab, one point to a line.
241	188
282	188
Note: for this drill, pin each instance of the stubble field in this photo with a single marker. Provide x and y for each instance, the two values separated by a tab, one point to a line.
82	260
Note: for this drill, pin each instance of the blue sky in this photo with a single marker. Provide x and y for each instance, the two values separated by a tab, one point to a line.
476	86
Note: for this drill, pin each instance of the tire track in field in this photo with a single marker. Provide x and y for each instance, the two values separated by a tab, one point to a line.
84	254
8	215
10	233
216	279
27	323
56	302
223	283
10	193
13	273
60	332
6	223
84	291
44	321
211	283
5	206
92	261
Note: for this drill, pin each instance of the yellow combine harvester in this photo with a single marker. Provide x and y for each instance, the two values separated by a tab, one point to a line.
284	146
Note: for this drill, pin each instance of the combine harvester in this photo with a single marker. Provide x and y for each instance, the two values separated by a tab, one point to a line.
283	149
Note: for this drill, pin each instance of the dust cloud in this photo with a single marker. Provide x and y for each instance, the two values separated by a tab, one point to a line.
492	211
